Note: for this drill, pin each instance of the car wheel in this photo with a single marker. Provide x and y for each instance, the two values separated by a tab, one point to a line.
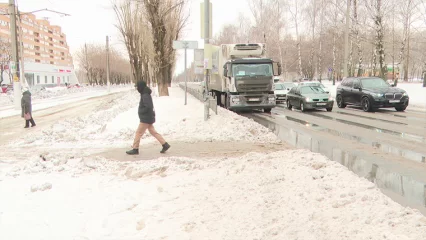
400	109
302	106
329	109
339	100
366	106
289	107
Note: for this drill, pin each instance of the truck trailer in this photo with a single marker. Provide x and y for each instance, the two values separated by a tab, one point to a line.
242	77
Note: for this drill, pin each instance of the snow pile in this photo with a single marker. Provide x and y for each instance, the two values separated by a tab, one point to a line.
115	122
292	194
82	129
177	122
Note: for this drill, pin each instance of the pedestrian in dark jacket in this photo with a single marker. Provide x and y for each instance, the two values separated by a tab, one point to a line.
27	109
147	119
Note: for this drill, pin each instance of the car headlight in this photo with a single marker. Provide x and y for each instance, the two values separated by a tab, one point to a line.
308	99
330	98
405	94
378	94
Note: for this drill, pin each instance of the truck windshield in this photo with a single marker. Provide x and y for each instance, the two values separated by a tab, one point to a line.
241	70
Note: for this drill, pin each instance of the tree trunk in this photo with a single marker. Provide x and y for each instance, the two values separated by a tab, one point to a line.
334	59
350	64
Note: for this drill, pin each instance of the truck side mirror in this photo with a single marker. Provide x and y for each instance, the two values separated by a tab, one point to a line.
276	68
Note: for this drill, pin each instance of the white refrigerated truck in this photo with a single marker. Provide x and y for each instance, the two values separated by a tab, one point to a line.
242	77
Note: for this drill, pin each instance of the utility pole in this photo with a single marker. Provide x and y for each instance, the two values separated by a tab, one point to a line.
206	41
345	66
22	63
185	72
15	58
107	60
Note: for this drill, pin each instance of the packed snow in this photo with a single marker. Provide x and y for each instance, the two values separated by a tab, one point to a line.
293	194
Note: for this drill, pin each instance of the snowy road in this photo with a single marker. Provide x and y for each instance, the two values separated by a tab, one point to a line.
39	104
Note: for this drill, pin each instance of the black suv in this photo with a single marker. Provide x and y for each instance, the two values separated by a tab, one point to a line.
370	93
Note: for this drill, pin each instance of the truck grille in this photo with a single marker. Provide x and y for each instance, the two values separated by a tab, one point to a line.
393	96
253	87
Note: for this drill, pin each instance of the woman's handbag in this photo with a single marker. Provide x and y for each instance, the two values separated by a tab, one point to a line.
27	116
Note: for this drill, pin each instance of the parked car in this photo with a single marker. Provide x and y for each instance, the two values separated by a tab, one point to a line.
370	93
315	83
309	97
281	90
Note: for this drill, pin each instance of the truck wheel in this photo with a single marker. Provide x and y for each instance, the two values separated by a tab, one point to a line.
267	110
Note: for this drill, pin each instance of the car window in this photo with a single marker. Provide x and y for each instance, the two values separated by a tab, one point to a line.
348	83
356	84
311	89
289	85
279	87
374	83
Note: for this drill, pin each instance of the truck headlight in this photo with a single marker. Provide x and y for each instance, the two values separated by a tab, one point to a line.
236	100
271	98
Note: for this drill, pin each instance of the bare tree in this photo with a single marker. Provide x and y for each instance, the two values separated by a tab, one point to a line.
294	11
5	57
92	60
133	27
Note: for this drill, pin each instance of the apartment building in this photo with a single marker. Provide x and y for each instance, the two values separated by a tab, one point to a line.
47	59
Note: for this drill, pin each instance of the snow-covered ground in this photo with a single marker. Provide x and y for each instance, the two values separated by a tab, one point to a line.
415	91
57	96
291	194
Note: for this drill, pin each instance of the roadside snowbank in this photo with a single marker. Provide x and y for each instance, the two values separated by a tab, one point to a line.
115	122
178	122
292	194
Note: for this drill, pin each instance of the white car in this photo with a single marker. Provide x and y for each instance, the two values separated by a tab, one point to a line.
315	83
281	90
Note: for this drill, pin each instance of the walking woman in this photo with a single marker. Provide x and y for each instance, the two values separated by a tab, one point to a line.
27	108
147	119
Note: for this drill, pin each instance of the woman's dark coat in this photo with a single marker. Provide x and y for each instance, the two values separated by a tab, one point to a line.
26	103
146	107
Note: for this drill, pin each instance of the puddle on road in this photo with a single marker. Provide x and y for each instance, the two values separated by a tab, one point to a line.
376	129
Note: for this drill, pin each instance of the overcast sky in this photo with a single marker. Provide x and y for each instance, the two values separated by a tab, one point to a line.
92	20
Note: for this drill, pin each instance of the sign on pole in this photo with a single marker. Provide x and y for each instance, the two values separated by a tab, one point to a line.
185	45
199	61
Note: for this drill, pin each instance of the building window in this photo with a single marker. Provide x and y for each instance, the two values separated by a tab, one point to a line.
53	79
50	51
36	34
45	79
37	47
38	79
37	54
37	60
51	62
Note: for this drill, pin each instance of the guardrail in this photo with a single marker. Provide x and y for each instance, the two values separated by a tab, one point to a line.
196	90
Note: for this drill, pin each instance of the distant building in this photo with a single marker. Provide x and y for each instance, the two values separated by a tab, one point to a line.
47	55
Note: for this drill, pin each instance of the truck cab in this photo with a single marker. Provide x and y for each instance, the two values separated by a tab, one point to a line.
247	78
